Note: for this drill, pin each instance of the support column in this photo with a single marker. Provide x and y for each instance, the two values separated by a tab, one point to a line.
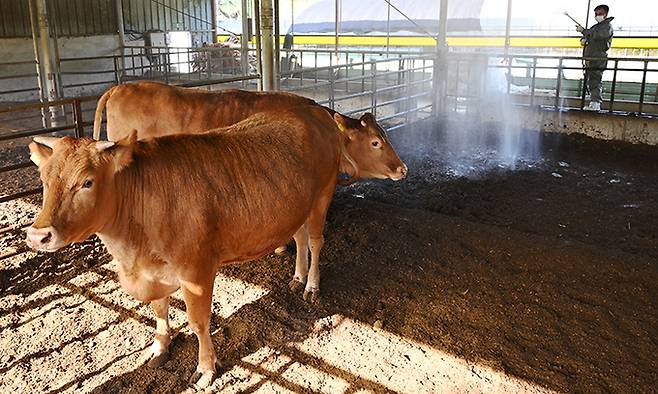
277	46
46	47
268	44
244	38
37	59
122	37
440	62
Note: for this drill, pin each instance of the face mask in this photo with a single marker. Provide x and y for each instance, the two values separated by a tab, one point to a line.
599	18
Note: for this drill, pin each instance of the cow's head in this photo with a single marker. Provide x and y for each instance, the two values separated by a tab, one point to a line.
370	149
78	186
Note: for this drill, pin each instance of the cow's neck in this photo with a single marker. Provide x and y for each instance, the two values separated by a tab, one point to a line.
347	164
123	234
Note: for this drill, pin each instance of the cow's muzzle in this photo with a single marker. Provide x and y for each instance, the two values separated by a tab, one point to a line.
399	173
43	239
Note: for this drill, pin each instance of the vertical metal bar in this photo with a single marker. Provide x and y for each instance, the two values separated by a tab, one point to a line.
336	29
166	65
347	73
584	84
534	81
115	64
244	43
331	85
363	72
277	47
373	88
259	57
122	36
440	66
37	60
316	65
301	65
388	27
614	86
267	42
559	84
209	57
79	129
644	85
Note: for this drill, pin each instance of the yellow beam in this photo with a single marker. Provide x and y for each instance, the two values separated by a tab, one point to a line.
467	41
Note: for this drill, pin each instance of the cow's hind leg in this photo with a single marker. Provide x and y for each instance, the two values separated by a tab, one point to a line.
198	299
315	224
301	260
160	346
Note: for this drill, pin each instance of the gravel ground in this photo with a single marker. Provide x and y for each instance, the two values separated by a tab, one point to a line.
542	278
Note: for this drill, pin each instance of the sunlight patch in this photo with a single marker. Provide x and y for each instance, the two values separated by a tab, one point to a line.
395	363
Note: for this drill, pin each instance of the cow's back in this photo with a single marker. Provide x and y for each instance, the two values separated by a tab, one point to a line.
156	109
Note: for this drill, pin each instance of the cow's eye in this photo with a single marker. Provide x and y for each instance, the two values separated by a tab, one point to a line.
376	143
87	184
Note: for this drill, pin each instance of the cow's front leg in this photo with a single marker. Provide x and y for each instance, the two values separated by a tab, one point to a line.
160	346
198	299
301	260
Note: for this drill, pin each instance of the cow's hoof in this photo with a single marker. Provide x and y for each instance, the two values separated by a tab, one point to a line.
311	295
201	379
281	250
295	284
156	361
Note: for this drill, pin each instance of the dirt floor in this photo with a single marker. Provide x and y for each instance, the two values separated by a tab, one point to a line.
542	278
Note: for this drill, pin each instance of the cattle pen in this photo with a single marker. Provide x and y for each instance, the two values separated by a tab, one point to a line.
519	254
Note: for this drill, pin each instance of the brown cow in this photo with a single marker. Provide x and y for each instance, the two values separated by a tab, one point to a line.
176	208
156	109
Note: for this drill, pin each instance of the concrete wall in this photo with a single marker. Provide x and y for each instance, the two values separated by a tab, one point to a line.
21	49
601	125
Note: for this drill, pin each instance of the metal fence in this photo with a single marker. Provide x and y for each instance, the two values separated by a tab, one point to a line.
396	86
630	85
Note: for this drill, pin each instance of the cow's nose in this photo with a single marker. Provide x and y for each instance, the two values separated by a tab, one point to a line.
39	237
402	170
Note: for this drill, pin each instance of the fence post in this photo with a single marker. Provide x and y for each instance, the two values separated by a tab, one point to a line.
373	88
79	130
614	87
559	84
534	81
331	85
643	86
117	79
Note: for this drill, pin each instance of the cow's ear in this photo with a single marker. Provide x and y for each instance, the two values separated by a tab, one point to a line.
367	118
343	126
121	151
39	153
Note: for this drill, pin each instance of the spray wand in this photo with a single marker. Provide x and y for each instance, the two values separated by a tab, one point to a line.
570	17
583	42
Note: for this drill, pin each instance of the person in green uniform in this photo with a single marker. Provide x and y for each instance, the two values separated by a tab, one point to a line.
596	41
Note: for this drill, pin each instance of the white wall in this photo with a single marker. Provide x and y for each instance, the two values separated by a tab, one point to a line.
21	49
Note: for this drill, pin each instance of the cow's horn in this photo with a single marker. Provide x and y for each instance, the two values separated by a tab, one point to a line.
47	141
102	145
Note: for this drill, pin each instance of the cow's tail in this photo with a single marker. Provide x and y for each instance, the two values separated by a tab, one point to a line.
98	117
